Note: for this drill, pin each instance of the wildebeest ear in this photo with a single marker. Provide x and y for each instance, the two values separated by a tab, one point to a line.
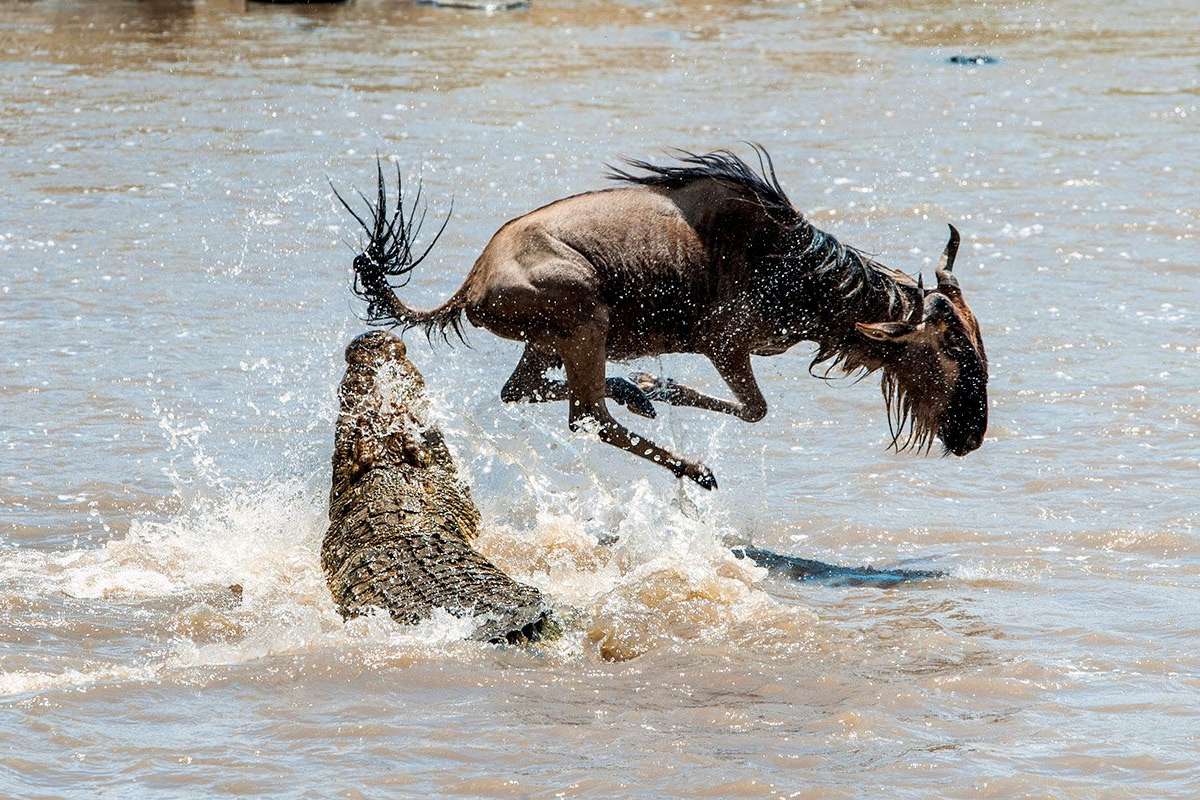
888	331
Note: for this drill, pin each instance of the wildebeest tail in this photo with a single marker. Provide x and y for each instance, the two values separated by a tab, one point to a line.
390	254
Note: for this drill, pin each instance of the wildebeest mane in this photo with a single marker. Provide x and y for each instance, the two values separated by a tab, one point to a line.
719	165
860	288
845	269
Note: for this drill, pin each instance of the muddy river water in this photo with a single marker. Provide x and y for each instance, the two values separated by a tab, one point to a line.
174	297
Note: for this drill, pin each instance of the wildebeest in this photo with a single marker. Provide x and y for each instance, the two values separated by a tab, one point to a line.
707	256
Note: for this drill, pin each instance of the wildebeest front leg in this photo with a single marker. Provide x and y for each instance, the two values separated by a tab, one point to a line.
529	383
734	369
584	359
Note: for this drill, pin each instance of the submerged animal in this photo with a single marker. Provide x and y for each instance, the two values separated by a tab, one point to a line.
401	520
806	569
705	256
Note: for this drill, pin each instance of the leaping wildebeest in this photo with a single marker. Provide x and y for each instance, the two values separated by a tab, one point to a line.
707	256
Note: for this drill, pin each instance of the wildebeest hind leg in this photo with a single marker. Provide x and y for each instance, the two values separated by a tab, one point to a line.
529	383
583	357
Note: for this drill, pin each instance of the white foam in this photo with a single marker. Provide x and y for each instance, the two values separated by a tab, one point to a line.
666	578
26	682
264	539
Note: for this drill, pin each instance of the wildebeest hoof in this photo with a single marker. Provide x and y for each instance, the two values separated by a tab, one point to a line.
702	475
629	395
654	387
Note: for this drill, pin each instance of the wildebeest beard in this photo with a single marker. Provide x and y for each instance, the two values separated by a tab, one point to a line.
852	287
915	393
913	408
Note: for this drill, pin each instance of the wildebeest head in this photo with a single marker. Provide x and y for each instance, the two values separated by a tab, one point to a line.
934	367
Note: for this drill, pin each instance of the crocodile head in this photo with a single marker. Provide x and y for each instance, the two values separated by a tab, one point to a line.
382	413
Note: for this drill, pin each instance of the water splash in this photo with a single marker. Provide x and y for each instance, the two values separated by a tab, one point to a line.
235	578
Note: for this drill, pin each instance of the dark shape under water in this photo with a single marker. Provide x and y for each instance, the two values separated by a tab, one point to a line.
477	5
972	61
805	569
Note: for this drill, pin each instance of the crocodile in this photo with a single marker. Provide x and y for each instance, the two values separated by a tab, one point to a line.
401	519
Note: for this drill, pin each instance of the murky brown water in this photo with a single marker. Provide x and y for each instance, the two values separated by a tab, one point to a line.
174	298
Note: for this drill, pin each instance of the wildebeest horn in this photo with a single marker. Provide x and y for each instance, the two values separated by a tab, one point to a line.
946	264
945	267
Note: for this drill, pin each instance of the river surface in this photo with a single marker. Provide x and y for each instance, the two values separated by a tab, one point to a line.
174	298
